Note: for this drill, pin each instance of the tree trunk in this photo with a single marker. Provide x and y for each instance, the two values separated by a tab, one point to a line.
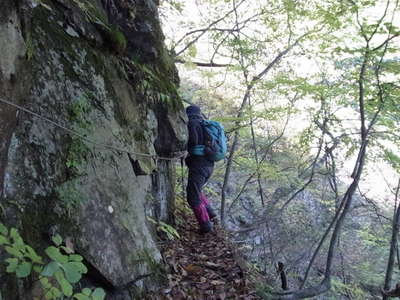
393	243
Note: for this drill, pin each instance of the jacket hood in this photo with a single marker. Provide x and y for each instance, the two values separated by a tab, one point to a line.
193	110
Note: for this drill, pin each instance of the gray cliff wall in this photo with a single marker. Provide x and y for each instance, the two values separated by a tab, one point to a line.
99	68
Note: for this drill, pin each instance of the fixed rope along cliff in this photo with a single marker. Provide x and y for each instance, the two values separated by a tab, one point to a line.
178	156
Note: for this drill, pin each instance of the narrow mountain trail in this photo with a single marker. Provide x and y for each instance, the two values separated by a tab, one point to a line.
204	267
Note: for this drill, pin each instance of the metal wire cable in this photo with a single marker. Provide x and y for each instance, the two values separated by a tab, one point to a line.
178	156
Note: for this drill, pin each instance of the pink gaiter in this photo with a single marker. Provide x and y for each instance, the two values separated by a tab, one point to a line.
201	213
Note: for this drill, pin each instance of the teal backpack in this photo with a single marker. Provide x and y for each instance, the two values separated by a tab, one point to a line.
215	141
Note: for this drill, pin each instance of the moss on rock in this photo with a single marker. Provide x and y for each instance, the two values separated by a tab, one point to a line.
116	40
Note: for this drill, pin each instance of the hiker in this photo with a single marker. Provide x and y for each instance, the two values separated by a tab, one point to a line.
200	170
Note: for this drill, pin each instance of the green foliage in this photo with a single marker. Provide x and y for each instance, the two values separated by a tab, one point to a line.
70	195
78	110
264	291
348	290
374	241
57	276
192	51
77	154
116	39
155	85
46	6
181	206
157	269
29	46
393	159
174	4
88	294
91	12
78	150
170	231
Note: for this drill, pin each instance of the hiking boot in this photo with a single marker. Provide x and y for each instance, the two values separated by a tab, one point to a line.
203	219
205	227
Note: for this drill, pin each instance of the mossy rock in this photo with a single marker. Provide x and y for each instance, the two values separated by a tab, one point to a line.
115	39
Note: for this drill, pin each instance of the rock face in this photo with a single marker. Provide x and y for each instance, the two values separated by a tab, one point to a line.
98	68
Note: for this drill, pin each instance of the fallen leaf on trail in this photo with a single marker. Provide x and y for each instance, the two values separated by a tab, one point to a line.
193	269
222	296
204	286
217	282
174	266
211	264
184	273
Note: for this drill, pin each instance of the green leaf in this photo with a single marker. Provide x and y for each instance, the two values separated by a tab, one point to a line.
392	159
12	265
45	283
14	232
57	239
152	220
75	257
72	273
16	237
55	254
192	51
14	251
98	294
46	6
24	269
66	287
87	291
169	230
67	250
50	269
79	267
53	293
38	269
31	253
3	229
81	296
3	240
20	247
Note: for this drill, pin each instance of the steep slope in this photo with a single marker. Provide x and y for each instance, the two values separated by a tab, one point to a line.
98	68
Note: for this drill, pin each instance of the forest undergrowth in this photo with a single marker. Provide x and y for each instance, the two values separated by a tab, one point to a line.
204	266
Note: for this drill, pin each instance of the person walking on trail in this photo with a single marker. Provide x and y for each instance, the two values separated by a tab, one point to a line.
200	170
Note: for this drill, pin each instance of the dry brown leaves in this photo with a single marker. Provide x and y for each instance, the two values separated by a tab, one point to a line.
202	267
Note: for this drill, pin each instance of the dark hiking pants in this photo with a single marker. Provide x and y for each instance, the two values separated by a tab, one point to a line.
197	178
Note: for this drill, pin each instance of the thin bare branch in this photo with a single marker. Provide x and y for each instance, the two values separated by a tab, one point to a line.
203	64
203	31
